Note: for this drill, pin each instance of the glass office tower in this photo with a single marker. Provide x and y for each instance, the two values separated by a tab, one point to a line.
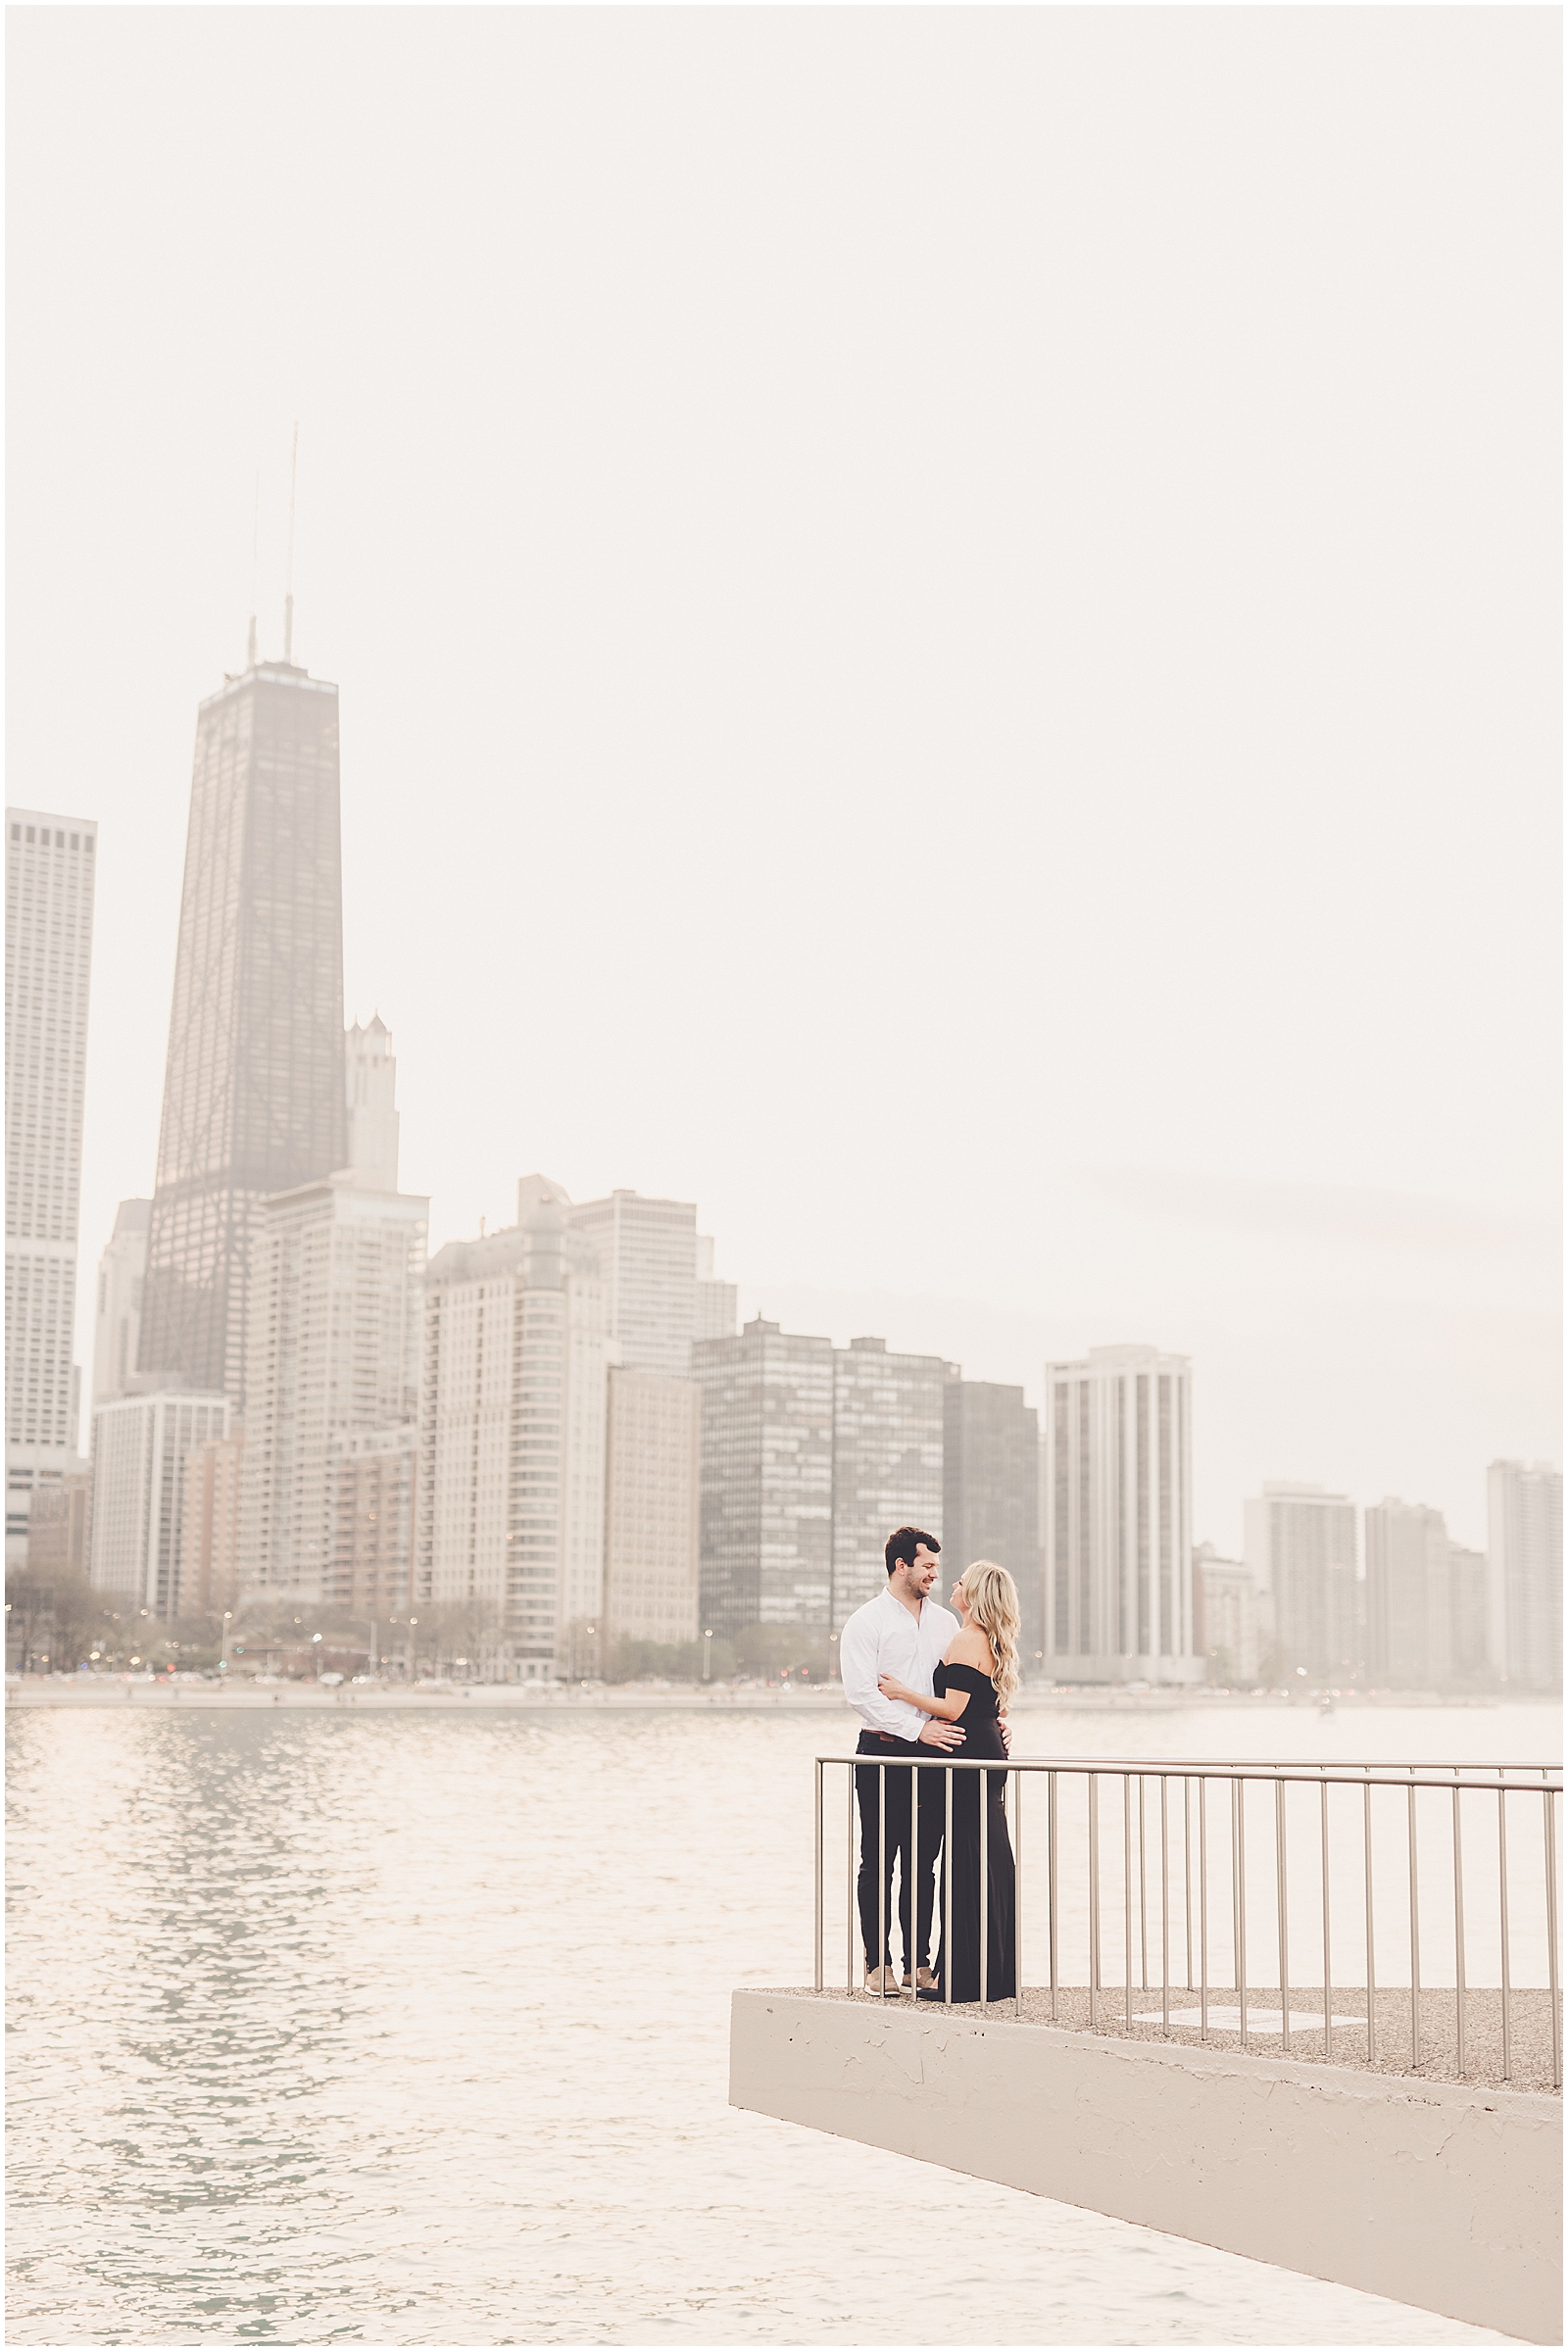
254	1099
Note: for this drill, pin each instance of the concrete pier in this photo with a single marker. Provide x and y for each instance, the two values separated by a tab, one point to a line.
1445	2195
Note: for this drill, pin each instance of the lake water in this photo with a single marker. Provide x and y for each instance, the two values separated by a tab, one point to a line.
411	2028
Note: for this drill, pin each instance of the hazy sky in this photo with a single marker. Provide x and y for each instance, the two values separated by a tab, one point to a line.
949	636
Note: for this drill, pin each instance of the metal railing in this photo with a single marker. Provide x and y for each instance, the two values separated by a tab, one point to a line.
1438	1828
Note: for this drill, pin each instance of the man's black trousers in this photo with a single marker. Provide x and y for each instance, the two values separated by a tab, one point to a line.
896	1806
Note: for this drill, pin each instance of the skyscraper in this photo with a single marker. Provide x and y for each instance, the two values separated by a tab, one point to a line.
1117	1486
511	1440
57	1531
141	1447
1225	1617
887	1461
50	866
1409	1607
1301	1545
1524	1573
991	1491
1467	1600
767	1479
253	1085
121	1280
716	1300
209	1534
651	1507
373	1490
333	1344
648	1254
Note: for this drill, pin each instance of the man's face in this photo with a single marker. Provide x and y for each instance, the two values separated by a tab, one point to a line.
923	1572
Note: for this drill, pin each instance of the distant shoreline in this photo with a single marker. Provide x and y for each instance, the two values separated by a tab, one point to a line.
117	1694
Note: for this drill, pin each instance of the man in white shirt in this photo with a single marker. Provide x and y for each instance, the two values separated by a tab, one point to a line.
903	1633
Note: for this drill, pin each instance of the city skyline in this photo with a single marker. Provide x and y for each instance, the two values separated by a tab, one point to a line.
998	838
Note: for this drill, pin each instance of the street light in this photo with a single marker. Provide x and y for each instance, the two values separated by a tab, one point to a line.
316	1639
707	1655
223	1655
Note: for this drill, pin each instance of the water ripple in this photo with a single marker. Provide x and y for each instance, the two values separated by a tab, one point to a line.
414	2029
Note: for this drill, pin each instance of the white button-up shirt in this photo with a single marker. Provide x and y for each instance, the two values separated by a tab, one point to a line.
884	1637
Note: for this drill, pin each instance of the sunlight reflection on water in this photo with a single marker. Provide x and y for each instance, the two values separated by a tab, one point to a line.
414	2029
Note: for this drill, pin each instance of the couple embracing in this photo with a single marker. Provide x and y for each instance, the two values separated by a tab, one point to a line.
926	1683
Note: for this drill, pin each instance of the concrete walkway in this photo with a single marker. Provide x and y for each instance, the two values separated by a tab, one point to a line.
1530	2051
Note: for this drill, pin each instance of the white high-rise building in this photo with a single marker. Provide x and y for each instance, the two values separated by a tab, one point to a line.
512	1440
1524	1573
141	1448
648	1250
718	1303
122	1279
50	864
1115	1517
371	1071
1409	1601
333	1329
651	1507
1300	1545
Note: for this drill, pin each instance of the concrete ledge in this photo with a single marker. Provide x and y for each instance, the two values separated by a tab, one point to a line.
1434	2193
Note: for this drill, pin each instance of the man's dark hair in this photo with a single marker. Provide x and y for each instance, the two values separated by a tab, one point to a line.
902	1545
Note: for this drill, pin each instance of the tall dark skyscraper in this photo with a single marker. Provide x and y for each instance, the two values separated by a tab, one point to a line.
991	1492
254	1096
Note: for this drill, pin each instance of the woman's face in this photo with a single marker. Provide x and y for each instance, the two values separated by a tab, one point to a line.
959	1597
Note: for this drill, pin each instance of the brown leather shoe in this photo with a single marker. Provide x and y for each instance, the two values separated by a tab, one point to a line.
882	1979
924	1980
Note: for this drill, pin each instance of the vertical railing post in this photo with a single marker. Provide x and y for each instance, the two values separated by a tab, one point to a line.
817	1775
1164	1906
1458	1936
1051	1881
1018	1892
1143	1895
912	1891
1282	1895
947	1887
1202	1905
1187	1870
1127	1892
1371	1987
1240	1903
881	1875
1503	1920
851	1905
1415	1935
1094	1896
1328	1949
1549	1807
982	1780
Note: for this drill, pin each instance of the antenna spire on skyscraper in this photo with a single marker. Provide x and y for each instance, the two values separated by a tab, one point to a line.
288	595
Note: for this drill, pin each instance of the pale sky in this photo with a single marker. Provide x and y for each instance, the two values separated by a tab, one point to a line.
949	634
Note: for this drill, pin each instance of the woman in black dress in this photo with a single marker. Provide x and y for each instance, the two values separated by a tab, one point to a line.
973	1685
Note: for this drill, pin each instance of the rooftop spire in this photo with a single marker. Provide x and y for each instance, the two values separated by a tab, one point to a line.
288	595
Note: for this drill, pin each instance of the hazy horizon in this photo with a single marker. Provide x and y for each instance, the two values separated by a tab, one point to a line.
949	643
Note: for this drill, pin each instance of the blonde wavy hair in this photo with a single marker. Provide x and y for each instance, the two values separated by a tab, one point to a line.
993	1601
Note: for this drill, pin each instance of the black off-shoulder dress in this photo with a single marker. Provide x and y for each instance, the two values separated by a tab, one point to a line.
982	1740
